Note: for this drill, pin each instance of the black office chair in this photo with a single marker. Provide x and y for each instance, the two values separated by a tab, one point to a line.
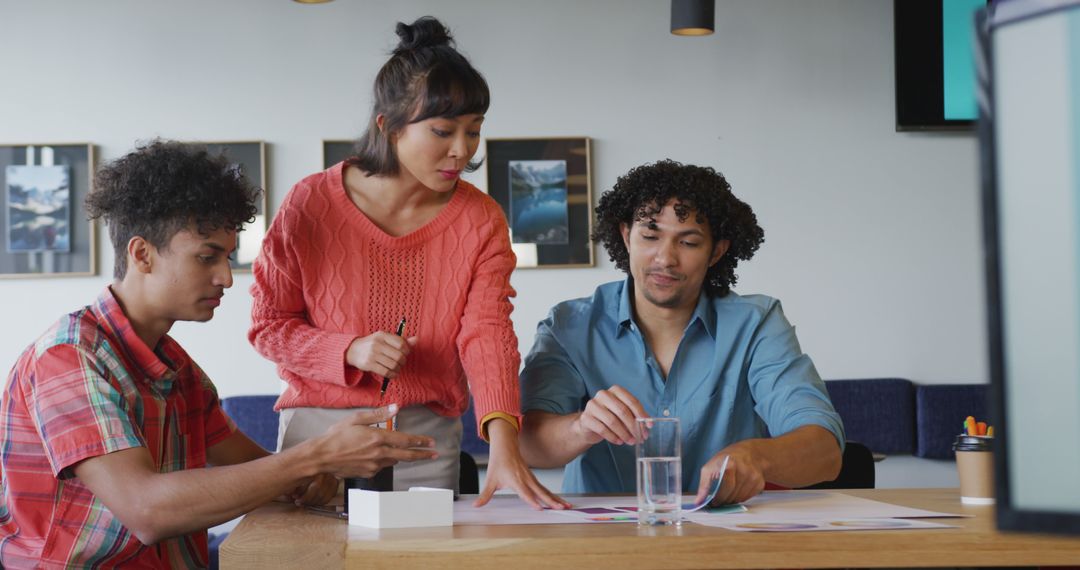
856	469
469	480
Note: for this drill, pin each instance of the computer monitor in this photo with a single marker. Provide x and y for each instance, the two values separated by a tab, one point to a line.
1029	132
935	78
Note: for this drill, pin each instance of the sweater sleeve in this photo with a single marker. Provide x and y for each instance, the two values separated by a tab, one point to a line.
280	330
487	343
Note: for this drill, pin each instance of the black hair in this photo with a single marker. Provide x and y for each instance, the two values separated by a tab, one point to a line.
163	187
641	194
425	77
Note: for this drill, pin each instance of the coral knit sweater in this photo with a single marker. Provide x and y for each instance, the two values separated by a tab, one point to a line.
327	275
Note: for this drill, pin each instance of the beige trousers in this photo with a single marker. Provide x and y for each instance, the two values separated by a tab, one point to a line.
300	424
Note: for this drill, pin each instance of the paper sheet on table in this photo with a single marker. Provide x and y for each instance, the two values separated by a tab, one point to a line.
621	511
509	509
783	506
812	525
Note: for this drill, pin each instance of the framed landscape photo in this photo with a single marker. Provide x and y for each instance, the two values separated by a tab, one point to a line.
544	186
335	151
43	227
249	158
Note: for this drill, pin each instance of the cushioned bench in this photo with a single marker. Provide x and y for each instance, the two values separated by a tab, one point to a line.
255	416
893	415
879	412
940	410
888	415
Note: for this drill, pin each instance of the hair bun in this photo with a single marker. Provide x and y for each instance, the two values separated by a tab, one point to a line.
424	32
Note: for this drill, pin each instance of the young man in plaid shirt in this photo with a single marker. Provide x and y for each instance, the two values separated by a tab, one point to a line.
106	422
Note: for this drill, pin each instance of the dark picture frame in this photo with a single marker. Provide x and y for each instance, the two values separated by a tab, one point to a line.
45	230
250	156
544	186
336	150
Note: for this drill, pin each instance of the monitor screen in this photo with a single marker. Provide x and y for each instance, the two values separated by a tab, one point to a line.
1030	144
935	73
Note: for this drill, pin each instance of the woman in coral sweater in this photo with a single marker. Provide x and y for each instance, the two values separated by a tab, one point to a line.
394	234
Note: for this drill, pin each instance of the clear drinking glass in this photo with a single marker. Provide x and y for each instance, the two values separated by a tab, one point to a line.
659	471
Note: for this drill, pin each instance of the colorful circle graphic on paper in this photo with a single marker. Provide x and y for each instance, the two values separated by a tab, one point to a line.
776	526
870	524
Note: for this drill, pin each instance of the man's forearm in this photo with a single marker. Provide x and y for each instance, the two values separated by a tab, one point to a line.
805	456
159	505
196	499
551	440
235	449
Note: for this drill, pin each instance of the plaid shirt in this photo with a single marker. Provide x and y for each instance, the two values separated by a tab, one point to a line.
89	386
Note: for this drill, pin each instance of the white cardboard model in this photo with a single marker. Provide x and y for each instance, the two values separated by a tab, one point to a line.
417	507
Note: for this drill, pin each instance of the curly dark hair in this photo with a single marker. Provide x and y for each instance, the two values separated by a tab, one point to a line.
641	193
164	186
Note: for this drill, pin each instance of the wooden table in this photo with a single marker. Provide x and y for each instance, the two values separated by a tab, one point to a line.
283	536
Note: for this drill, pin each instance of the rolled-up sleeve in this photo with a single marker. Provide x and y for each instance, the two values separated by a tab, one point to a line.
787	389
549	381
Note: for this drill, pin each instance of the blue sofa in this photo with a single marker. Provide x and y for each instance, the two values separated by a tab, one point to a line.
879	412
893	415
940	410
888	415
255	416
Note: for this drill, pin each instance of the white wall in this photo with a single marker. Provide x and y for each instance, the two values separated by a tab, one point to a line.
872	236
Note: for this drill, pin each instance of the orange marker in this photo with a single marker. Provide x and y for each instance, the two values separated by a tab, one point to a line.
969	423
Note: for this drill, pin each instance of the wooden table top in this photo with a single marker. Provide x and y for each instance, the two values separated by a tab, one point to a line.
284	536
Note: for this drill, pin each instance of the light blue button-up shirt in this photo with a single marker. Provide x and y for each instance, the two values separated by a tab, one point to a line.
738	374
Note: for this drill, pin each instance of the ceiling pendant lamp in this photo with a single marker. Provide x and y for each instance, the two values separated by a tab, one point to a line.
693	17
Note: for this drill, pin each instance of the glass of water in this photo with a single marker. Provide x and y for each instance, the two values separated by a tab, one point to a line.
659	471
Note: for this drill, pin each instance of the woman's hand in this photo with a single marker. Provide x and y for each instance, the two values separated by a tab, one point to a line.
508	470
381	353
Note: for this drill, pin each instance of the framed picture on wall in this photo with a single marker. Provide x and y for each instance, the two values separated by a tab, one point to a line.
43	227
335	151
249	157
544	186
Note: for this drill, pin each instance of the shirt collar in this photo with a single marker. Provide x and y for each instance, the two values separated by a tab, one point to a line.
116	324
704	312
625	318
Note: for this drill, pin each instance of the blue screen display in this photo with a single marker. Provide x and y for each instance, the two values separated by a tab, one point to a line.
957	35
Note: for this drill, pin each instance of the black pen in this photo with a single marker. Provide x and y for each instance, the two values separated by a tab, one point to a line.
386	379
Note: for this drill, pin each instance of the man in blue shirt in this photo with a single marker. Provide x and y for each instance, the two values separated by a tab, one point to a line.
672	340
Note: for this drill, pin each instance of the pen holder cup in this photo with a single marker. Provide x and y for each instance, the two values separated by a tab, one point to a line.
975	466
382	481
